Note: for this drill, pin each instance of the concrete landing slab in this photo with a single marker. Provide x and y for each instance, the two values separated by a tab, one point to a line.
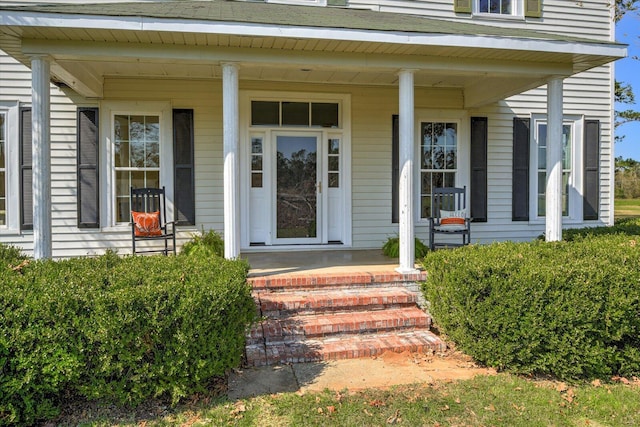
387	370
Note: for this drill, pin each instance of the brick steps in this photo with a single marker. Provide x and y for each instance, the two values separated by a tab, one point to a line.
274	304
353	322
337	348
336	316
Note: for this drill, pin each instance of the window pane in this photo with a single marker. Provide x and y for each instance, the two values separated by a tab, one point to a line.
324	114
451	159
256	145
152	153
256	163
449	179
121	128
426	158
334	146
295	114
438	158
334	180
566	147
425	183
153	179
256	180
334	163
123	213
265	113
425	208
542	205
123	183
506	7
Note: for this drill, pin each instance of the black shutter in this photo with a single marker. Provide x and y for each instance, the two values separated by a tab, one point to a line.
520	179
26	170
395	169
533	8
591	200
479	131
87	164
184	181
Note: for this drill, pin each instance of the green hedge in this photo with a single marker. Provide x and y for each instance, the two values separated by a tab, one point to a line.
568	309
120	329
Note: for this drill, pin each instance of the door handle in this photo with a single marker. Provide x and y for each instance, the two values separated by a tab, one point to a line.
319	186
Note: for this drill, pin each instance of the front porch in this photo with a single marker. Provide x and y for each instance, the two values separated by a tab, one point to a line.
320	262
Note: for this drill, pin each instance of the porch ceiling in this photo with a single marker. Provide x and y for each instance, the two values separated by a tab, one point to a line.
88	43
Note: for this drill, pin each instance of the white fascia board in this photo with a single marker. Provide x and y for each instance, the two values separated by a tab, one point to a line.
31	19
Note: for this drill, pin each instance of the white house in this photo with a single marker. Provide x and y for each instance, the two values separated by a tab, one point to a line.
308	124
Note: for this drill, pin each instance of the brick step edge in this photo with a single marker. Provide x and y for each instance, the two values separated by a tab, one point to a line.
279	304
356	322
337	348
323	281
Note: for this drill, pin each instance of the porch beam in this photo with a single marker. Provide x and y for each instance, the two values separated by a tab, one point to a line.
553	194
406	135
113	51
78	78
41	149
231	143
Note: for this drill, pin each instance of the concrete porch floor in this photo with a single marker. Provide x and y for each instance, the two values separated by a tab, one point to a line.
318	262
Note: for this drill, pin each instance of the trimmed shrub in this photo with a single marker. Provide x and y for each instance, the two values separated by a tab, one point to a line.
119	329
568	309
204	244
391	248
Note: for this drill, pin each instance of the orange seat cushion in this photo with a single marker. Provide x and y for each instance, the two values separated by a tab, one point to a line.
146	224
452	221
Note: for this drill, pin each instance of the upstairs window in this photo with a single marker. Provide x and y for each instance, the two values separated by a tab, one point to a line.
499	8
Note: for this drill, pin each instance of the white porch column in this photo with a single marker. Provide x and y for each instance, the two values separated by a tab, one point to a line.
40	121
406	131
231	132
553	195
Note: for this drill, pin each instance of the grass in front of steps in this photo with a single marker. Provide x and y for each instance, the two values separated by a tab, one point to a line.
500	400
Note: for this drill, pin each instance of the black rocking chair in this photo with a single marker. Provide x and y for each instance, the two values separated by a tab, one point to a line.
149	220
449	216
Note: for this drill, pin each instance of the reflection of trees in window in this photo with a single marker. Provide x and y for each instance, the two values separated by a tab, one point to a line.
438	163
296	187
136	157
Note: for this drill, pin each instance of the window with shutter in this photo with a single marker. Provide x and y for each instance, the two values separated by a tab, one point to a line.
500	8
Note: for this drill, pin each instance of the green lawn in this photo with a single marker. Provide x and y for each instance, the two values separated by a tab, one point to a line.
501	400
625	208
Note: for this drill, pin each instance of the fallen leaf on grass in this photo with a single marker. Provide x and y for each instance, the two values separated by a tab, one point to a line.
490	408
331	409
395	418
367	412
445	408
377	403
596	383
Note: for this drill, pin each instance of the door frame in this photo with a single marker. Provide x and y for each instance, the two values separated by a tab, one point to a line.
247	132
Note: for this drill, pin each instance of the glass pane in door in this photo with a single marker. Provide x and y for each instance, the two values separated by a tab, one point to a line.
296	196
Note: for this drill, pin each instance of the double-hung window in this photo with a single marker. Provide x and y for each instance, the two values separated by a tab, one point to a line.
139	154
438	160
571	167
136	157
